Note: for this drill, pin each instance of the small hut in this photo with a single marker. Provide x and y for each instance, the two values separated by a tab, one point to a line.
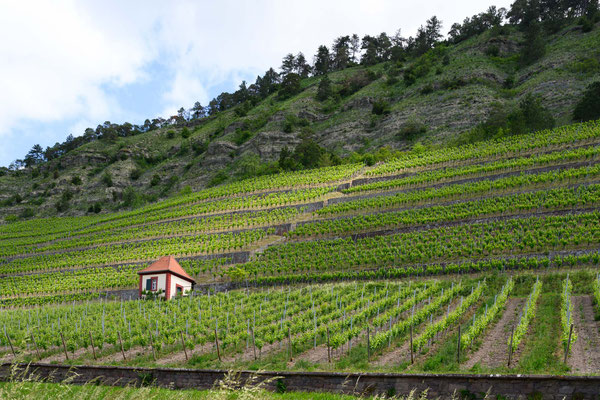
165	278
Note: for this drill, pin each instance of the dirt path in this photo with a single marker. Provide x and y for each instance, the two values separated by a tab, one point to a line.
585	355
493	350
60	356
118	356
178	357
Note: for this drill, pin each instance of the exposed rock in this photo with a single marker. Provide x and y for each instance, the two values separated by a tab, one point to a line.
218	154
360	103
83	158
234	126
268	145
505	45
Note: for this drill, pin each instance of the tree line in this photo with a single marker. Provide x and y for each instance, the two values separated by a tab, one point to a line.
532	16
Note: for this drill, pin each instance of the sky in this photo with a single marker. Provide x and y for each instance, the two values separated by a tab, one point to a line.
68	65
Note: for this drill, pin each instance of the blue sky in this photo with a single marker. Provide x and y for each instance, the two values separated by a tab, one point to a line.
68	65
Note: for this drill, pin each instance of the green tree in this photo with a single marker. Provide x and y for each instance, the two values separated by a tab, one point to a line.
324	90
290	85
322	61
588	106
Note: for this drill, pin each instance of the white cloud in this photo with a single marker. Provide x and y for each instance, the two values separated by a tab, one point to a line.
61	58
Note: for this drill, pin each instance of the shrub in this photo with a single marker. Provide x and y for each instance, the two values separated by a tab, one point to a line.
55	174
186	133
588	106
241	136
135	173
155	180
170	134
107	179
95	208
76	180
492	51
356	82
199	147
411	129
427	89
27	213
380	107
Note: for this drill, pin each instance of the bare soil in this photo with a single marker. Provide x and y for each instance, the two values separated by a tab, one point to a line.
178	357
585	353
118	356
493	351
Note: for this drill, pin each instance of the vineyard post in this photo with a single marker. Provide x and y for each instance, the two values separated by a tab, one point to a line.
253	343
290	343
328	348
412	357
368	344
183	344
92	343
64	346
11	346
217	343
152	345
121	343
36	347
568	343
512	335
458	346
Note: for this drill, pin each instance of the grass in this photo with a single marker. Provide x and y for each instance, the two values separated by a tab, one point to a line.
540	354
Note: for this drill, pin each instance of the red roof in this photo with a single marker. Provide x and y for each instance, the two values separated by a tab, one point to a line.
167	264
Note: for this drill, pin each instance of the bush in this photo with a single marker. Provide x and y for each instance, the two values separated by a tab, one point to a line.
241	136
27	213
186	133
170	134
531	116
95	208
291	121
411	129
63	204
135	174
55	174
155	180
427	89
492	51
356	82
380	107
76	180
199	147
107	179
588	106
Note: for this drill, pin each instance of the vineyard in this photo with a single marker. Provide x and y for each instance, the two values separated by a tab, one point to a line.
414	264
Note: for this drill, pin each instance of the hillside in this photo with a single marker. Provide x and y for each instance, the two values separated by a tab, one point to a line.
339	262
460	87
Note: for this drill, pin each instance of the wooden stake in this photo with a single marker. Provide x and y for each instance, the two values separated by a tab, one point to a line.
121	343
328	348
368	344
458	346
64	346
217	343
412	357
512	335
92	343
183	344
253	343
568	343
11	346
290	344
152	345
36	347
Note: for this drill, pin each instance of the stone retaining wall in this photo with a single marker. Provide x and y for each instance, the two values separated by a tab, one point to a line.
472	386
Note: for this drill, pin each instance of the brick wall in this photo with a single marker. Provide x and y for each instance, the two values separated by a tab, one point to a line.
509	386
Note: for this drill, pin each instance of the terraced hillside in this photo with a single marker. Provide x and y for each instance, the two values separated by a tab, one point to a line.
455	87
334	266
